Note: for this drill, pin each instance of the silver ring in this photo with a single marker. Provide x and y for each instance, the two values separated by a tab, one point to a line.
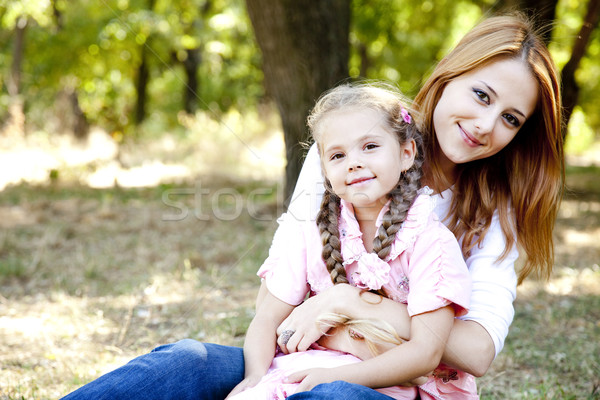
286	335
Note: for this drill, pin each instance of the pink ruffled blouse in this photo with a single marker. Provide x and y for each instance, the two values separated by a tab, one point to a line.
425	269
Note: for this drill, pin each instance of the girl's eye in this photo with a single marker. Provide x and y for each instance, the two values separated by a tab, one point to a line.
371	146
336	156
511	119
483	96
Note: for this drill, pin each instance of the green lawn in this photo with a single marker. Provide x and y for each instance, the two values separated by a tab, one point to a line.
89	278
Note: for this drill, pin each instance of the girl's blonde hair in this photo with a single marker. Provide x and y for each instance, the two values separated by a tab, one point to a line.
528	174
386	100
372	331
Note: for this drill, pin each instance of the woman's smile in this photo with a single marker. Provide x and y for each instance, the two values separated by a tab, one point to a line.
468	138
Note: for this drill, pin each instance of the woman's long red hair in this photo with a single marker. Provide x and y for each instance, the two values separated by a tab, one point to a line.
528	174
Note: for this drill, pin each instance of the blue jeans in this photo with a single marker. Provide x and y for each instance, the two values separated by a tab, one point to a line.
340	390
192	370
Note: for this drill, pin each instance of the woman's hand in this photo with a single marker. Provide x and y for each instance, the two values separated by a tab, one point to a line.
341	299
302	320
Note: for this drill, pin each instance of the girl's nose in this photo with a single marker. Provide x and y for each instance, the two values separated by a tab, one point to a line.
355	165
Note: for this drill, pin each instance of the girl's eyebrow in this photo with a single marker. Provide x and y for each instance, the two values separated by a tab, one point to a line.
496	94
364	138
331	148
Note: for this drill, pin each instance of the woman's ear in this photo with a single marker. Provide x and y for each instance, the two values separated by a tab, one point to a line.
408	152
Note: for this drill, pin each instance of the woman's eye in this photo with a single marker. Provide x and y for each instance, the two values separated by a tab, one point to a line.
511	119
482	96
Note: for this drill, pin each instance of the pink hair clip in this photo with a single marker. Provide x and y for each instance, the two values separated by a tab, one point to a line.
405	115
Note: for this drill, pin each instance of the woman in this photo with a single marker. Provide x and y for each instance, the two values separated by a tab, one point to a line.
492	112
499	80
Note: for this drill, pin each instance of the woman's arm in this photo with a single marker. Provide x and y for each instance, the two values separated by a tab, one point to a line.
418	357
469	347
341	299
260	343
494	285
308	193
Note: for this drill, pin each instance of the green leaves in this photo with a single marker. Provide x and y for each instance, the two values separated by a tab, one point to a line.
95	48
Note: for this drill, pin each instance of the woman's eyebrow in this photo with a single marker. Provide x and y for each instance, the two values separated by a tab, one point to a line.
496	94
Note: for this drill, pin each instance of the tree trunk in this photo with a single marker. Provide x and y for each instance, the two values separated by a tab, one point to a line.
543	12
191	63
72	119
364	59
58	16
15	125
570	88
141	85
305	49
143	76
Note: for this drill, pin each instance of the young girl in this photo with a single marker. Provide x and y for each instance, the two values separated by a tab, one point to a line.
376	231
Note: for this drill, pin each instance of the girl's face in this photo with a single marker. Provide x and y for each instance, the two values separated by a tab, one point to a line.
481	111
361	157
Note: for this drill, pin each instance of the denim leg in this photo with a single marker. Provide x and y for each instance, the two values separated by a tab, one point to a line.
340	390
184	370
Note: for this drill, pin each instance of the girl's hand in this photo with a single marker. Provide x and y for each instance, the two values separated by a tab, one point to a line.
247	383
310	378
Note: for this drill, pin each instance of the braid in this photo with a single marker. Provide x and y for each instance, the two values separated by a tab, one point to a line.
402	197
327	221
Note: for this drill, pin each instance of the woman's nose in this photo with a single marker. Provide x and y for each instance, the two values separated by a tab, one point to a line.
485	123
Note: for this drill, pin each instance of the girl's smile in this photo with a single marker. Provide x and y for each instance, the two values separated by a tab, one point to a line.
359	181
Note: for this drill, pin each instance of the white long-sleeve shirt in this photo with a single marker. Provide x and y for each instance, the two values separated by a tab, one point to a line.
494	285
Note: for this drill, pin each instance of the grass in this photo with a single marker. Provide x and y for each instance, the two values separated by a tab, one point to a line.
90	278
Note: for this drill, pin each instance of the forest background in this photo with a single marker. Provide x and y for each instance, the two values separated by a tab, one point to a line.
147	147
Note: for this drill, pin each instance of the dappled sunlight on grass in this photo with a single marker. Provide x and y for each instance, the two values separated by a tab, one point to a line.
101	277
571	281
246	146
552	351
34	157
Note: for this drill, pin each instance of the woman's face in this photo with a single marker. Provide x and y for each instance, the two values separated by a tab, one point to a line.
481	111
